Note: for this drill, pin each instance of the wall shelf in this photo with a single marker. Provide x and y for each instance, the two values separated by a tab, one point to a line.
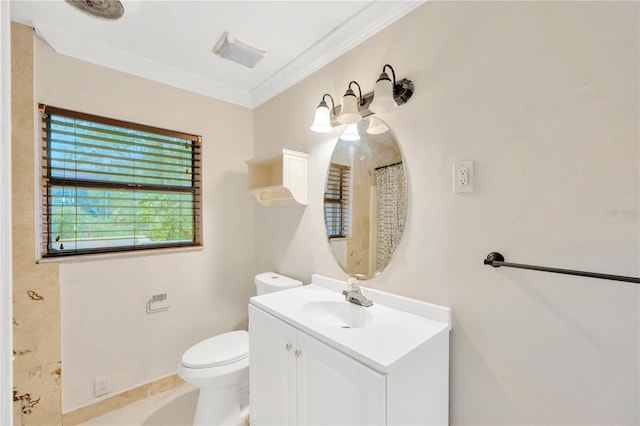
280	179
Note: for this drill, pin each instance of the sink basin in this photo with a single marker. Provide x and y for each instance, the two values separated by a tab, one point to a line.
337	314
379	336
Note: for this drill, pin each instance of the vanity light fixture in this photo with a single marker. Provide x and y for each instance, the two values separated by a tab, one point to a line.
322	121
351	133
376	127
350	104
386	97
383	99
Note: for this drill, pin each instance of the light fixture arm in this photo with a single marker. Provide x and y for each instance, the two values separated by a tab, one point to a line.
360	99
393	74
333	104
324	116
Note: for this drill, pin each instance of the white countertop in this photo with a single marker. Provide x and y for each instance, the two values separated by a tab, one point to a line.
390	333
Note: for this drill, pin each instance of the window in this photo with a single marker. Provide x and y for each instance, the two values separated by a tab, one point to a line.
337	201
110	185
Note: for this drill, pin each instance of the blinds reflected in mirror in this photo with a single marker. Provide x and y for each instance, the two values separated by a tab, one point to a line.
337	201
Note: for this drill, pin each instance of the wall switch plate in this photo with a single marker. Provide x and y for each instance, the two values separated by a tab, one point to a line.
463	176
101	386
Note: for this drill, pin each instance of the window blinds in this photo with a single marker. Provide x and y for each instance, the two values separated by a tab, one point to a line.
110	185
337	201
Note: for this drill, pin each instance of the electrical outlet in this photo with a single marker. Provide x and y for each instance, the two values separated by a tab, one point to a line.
101	386
463	176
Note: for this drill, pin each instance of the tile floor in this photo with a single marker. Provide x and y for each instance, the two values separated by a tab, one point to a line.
174	407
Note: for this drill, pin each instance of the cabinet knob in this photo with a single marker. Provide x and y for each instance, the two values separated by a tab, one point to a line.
298	352
287	347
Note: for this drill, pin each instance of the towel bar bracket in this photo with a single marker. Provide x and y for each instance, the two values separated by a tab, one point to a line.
494	256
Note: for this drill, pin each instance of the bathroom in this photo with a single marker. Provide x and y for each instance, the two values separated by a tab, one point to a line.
543	97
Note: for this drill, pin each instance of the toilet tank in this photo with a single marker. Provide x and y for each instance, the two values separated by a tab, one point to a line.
270	282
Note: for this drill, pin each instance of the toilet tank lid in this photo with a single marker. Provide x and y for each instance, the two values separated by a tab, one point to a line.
218	350
275	282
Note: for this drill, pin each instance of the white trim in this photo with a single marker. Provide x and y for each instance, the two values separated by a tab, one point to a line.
6	315
118	255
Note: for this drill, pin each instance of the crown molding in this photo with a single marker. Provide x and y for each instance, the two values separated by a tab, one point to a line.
80	48
374	17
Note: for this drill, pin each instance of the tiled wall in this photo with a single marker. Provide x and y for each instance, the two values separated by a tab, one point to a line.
36	295
358	245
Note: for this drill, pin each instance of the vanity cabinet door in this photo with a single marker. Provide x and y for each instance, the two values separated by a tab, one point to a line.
272	370
334	389
296	379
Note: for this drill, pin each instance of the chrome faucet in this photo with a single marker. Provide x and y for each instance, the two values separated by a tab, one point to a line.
354	295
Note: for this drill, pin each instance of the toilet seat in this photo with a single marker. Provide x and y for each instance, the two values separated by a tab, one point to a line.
219	350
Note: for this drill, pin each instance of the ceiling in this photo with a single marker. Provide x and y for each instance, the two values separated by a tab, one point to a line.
172	41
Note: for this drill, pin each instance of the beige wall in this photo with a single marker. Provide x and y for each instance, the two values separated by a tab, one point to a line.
105	330
544	97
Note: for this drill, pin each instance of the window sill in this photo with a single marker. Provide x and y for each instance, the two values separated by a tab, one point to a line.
118	255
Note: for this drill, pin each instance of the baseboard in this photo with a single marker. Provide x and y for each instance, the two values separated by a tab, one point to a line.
120	400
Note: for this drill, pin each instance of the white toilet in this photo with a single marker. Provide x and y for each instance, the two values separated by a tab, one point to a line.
219	366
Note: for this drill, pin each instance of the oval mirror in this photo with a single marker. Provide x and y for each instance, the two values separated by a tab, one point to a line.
365	199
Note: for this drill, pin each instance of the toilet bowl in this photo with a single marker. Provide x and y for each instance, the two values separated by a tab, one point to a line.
219	366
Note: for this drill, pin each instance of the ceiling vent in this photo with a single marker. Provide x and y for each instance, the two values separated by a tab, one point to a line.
104	9
238	52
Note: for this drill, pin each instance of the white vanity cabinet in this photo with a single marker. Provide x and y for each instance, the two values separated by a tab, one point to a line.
297	380
316	359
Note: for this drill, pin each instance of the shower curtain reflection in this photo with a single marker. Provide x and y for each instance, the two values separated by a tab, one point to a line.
392	210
